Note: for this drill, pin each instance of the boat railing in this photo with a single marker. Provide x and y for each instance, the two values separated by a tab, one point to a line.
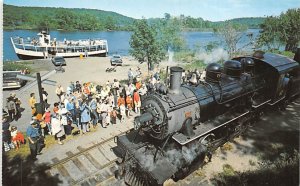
62	46
33	41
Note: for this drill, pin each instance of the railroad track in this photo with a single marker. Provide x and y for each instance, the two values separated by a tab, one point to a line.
94	165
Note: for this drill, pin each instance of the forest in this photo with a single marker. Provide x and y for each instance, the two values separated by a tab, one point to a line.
16	17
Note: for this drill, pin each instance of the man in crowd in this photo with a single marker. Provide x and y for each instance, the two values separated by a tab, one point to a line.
32	102
45	95
11	107
59	92
6	137
70	106
130	75
137	101
33	135
93	108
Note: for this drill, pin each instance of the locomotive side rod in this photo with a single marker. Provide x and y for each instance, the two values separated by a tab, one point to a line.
211	130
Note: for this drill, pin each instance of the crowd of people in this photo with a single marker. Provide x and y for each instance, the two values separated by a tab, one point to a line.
86	105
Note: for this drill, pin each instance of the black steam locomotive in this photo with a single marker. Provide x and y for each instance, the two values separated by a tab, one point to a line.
179	128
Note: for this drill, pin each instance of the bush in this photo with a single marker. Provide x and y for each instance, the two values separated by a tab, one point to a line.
15	66
283	171
185	56
285	53
198	64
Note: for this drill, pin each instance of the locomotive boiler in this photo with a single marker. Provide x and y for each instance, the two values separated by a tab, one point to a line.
178	128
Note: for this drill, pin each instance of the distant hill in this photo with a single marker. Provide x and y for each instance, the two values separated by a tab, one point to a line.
250	22
17	17
62	18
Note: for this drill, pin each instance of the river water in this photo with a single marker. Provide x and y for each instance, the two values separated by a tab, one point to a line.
118	41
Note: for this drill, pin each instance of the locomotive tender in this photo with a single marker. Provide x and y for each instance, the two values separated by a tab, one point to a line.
179	128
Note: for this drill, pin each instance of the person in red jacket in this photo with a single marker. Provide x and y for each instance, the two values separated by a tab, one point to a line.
129	103
121	100
137	101
17	137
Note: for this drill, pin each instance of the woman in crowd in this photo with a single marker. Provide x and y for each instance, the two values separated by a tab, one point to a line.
85	116
64	120
47	119
57	127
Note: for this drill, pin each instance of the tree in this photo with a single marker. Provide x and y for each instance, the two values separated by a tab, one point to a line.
290	27
66	19
145	46
169	32
231	34
270	34
110	23
167	16
283	29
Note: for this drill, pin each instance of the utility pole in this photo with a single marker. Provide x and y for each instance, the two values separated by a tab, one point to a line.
41	105
39	83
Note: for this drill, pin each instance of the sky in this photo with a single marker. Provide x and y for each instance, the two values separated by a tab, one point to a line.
212	10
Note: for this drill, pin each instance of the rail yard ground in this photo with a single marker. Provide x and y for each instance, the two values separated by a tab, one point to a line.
275	136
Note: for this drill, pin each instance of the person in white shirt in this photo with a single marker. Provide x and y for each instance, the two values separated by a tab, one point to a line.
57	127
130	75
59	91
122	113
143	90
116	84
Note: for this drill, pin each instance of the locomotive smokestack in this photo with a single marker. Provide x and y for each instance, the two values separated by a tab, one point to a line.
175	80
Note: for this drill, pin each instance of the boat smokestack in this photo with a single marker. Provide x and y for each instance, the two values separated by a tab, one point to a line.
175	80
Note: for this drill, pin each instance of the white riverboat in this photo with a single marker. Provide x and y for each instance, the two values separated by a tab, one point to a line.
44	47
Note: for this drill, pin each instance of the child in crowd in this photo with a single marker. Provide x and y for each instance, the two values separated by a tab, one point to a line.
114	116
78	86
122	112
47	119
108	116
16	137
56	108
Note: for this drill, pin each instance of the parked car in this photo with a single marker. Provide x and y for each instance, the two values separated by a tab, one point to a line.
58	61
10	80
116	60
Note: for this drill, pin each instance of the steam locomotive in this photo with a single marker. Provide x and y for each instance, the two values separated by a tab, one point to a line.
178	128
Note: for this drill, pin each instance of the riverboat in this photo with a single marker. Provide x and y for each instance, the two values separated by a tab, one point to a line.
43	47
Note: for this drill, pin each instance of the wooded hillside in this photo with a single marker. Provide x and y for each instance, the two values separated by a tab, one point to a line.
16	17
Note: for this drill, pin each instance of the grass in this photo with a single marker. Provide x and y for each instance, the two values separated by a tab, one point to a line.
24	151
17	66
